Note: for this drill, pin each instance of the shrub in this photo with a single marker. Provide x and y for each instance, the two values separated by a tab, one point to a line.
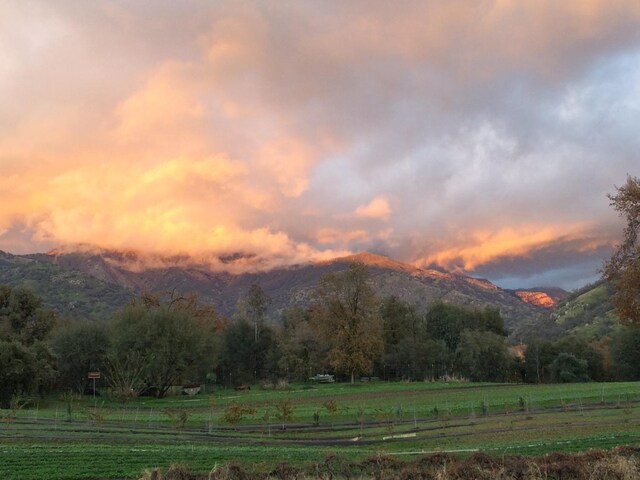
235	412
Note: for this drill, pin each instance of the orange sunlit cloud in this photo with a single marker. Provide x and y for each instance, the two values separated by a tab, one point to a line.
482	246
164	104
178	206
334	235
453	133
376	208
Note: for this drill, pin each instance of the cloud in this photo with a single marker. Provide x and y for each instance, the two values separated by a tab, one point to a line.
482	135
376	208
165	103
489	246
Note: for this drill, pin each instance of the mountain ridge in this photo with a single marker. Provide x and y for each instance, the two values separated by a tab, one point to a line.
71	293
287	286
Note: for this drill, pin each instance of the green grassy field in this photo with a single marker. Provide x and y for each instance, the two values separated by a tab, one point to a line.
70	438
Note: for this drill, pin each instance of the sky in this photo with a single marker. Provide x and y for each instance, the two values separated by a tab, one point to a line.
479	136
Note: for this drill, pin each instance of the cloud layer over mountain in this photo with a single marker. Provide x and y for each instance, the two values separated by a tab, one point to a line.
479	136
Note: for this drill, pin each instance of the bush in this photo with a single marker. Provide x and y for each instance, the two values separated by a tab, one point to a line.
235	412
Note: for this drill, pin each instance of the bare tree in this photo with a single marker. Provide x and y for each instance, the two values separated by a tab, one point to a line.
258	302
126	375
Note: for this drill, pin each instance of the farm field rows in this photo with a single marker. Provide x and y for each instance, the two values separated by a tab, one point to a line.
63	438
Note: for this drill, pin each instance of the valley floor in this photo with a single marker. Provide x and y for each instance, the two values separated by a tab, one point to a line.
79	438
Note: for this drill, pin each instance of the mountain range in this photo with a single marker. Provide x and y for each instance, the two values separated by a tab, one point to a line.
95	282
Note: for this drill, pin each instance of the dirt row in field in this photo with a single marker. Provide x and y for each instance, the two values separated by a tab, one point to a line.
298	434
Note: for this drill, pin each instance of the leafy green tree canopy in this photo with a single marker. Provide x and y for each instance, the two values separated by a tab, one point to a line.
23	317
303	353
409	351
482	356
625	352
174	335
566	368
244	360
26	362
447	322
79	347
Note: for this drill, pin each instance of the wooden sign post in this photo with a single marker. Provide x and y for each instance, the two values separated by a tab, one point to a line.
94	376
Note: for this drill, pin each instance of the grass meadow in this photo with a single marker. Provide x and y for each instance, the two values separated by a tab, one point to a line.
72	437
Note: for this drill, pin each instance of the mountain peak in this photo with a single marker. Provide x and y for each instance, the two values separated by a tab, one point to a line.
376	260
545	297
381	261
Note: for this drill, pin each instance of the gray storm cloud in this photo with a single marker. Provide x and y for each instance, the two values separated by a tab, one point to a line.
479	136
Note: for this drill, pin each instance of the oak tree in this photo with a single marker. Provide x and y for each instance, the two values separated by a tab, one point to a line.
175	335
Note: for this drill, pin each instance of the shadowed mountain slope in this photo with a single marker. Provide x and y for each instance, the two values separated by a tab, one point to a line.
71	293
288	286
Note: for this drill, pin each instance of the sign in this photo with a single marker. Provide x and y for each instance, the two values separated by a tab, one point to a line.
94	375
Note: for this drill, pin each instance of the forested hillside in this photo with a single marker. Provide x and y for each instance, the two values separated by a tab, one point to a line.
292	286
586	313
70	293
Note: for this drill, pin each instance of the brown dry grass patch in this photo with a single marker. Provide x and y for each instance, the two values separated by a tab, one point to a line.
622	463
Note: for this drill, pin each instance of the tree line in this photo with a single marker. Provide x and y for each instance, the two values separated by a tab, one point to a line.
157	341
160	340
